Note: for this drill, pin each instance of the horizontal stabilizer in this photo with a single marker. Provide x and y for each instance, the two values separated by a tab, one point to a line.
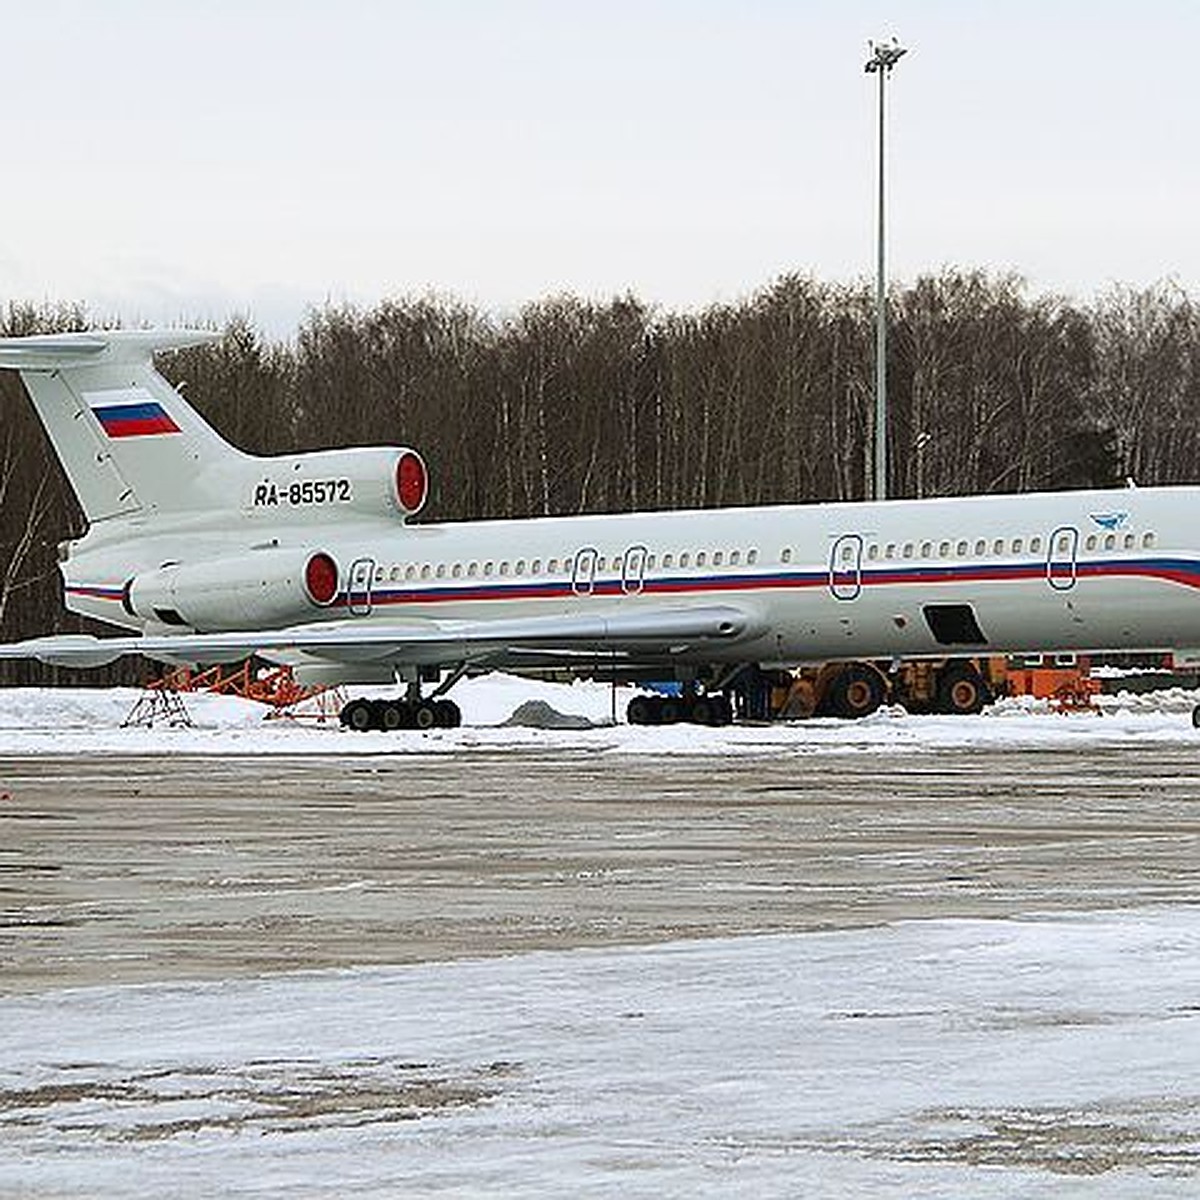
54	351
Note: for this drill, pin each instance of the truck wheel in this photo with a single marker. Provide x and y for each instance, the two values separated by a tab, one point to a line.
855	691
961	691
642	711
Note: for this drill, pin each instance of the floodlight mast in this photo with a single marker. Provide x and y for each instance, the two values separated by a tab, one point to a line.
884	56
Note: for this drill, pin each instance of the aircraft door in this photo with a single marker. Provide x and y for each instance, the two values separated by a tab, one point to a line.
1062	552
583	574
633	570
845	567
358	591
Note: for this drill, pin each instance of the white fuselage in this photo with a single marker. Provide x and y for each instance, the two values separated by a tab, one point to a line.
1092	570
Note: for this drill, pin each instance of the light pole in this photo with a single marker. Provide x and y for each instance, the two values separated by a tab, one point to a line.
884	57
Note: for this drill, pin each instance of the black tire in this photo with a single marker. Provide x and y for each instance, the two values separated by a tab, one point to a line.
855	691
424	715
358	715
393	716
1196	717
962	691
449	715
642	711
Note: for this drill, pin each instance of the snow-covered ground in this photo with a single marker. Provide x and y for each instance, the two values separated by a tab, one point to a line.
83	721
1036	1057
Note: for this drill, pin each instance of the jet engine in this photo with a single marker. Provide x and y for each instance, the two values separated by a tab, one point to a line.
360	481
263	588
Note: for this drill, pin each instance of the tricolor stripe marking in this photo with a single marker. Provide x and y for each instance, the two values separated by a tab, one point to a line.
1185	572
134	420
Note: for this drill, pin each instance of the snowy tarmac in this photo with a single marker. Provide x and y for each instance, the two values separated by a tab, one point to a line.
907	957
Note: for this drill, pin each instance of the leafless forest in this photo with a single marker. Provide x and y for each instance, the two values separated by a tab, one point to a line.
573	406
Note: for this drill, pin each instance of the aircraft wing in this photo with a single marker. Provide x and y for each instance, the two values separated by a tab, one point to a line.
641	631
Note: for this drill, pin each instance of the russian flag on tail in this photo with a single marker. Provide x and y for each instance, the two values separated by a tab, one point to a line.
134	420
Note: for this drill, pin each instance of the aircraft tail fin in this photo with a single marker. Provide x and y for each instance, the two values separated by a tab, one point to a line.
127	440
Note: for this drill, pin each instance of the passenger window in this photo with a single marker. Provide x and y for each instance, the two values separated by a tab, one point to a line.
684	559
410	572
1148	540
552	567
1130	541
520	566
456	570
1018	545
1035	545
890	552
425	571
926	549
718	558
998	546
378	574
535	567
488	568
872	551
980	547
1064	544
735	557
650	561
441	571
1110	541
847	553
908	549
473	569
961	549
944	550
395	574
668	560
701	558
785	555
1090	543
600	563
752	557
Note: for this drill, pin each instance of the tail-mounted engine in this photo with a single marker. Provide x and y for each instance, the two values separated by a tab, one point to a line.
372	481
257	588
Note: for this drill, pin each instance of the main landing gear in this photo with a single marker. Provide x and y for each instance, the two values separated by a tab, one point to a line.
391	715
413	712
671	710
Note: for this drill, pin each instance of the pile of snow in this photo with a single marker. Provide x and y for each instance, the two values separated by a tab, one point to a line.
89	721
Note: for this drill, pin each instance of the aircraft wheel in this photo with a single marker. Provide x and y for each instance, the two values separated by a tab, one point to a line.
393	716
358	715
961	691
702	711
1196	716
855	691
722	710
641	711
424	715
448	714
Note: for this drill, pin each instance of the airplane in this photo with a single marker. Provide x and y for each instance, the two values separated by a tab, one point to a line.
201	553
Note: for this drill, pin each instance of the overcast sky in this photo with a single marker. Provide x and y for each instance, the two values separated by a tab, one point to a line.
169	160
